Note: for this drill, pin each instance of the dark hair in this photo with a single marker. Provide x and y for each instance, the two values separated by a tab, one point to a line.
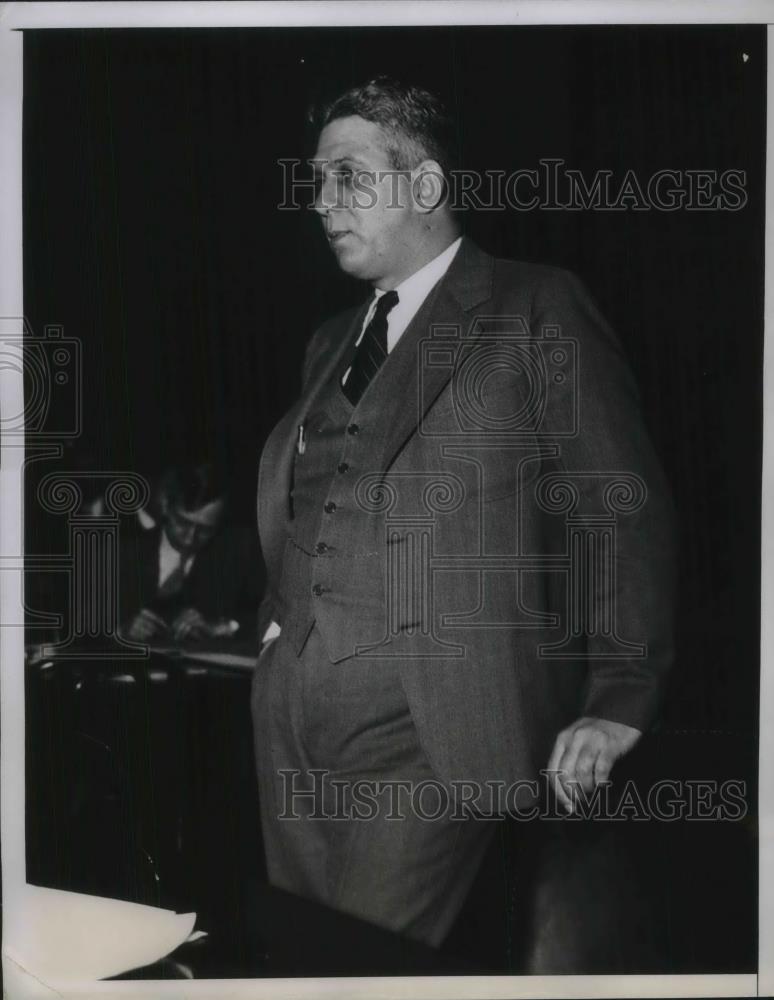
416	121
191	487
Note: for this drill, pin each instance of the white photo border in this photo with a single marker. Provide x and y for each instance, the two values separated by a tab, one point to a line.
16	16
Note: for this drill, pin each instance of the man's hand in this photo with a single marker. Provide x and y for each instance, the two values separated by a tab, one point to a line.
145	625
584	754
191	625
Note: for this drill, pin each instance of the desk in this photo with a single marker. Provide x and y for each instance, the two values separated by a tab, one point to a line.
141	783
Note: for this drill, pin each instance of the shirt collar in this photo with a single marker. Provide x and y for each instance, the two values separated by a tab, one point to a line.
412	292
414	289
170	558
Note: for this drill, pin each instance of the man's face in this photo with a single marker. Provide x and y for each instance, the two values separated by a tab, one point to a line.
370	222
190	530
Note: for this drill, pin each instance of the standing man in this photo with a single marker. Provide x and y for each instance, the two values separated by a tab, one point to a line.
468	542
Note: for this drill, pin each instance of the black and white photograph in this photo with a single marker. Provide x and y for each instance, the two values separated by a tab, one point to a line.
384	583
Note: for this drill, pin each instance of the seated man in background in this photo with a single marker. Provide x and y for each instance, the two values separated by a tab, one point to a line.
195	575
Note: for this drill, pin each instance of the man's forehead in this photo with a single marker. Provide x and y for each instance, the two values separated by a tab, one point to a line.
351	138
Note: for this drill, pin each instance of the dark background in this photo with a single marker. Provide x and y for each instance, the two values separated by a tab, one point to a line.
151	234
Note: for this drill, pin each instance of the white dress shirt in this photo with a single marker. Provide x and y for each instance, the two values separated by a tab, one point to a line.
170	559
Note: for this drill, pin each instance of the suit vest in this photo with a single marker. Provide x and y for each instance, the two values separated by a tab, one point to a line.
333	563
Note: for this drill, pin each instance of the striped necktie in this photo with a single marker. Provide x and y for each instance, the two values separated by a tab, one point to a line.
372	349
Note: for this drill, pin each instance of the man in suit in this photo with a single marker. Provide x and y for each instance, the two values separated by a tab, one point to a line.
468	542
192	576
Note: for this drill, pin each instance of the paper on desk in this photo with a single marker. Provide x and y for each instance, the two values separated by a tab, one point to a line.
59	937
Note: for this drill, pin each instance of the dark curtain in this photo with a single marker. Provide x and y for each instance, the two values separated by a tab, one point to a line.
152	235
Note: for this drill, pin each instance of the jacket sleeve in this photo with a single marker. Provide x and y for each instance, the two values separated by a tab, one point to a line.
612	440
266	612
252	584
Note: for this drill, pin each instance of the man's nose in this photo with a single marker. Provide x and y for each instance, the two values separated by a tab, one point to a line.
327	196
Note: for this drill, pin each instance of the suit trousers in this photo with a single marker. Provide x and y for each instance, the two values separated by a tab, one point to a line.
352	813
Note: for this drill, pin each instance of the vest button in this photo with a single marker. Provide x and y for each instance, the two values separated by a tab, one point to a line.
330	507
353	429
344	467
318	590
321	547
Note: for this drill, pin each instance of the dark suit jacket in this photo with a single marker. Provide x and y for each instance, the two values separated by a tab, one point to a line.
225	580
535	449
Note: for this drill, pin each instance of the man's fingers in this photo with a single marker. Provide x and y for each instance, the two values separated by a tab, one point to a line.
183	630
577	766
560	745
148	623
181	623
189	624
603	767
148	615
582	757
584	754
584	768
561	794
144	625
187	615
569	762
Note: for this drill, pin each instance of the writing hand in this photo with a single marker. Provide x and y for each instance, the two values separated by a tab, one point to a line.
190	624
145	625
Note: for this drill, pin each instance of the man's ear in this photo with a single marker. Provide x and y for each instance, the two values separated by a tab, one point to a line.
429	187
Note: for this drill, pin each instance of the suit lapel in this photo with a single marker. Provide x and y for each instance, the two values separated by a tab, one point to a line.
344	342
410	382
